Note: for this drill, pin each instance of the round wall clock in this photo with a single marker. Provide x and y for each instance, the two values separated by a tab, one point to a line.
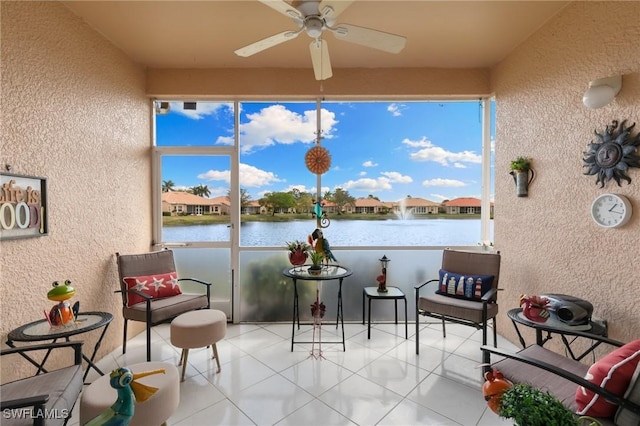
611	210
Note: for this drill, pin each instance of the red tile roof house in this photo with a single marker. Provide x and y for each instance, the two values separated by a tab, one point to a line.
415	205
367	205
177	202
464	205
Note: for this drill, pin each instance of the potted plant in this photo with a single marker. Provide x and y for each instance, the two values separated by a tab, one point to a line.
521	170
530	406
298	252
316	259
521	164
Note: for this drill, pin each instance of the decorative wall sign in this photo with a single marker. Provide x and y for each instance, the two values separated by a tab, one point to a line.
23	202
612	155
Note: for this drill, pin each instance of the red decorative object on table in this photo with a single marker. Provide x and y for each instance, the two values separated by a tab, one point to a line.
536	308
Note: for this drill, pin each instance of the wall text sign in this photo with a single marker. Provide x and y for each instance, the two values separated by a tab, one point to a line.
23	202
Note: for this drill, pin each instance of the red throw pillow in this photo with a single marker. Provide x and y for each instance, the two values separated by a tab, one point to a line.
143	284
167	285
613	372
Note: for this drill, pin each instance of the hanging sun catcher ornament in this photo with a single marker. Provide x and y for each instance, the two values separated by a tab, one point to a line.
318	160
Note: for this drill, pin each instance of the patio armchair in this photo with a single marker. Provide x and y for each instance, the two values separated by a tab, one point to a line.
608	390
43	399
151	293
466	292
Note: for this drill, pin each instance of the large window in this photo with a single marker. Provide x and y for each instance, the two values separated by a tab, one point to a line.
402	173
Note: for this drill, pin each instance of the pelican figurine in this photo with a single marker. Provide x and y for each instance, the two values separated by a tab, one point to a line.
120	413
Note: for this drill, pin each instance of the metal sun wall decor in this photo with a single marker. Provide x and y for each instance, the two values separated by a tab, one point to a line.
614	152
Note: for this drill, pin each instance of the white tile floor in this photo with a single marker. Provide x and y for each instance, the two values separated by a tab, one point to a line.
374	382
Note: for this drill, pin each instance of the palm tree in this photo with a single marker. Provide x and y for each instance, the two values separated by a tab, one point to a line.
201	190
168	185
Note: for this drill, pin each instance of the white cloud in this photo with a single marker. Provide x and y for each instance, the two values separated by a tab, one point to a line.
202	109
450	183
276	124
363	173
396	109
368	184
369	163
431	152
459	166
250	176
300	188
396	177
439	197
424	142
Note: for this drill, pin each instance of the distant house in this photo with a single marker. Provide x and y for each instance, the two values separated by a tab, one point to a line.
464	205
415	206
177	203
253	207
367	205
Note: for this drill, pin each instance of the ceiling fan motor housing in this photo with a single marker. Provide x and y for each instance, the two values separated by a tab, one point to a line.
313	25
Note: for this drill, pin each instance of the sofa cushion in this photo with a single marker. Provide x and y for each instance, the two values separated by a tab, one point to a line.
624	416
613	372
469	287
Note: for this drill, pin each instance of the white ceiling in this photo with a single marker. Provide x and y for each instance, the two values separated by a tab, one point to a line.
204	34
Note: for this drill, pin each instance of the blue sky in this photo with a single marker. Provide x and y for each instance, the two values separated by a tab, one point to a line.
430	150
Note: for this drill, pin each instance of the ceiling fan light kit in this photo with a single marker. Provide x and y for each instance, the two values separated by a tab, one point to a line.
314	17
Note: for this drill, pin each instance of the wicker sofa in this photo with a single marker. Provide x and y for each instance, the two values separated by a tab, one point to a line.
44	399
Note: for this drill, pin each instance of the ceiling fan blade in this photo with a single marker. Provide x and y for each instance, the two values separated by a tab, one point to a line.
284	8
380	40
332	8
320	59
266	43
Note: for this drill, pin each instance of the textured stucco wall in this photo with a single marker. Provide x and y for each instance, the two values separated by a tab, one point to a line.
74	110
548	241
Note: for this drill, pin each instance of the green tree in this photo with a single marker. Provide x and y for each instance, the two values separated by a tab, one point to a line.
168	185
201	190
304	204
278	201
245	197
341	198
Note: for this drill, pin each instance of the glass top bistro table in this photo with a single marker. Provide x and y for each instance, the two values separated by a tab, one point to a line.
595	327
328	273
41	330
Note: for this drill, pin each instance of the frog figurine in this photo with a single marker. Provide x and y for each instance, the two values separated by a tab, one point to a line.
62	314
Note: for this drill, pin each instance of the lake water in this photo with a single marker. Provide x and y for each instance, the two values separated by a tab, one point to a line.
415	232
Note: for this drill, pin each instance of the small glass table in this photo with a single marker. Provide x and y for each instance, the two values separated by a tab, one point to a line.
393	293
593	328
331	272
41	330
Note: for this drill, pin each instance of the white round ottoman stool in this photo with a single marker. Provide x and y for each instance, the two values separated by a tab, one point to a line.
156	410
197	329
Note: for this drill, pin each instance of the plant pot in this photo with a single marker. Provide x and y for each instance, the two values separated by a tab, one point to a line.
315	269
522	181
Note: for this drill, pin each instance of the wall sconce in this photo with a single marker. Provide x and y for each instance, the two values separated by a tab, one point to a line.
602	91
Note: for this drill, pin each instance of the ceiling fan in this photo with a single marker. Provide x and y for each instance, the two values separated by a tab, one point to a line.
315	17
